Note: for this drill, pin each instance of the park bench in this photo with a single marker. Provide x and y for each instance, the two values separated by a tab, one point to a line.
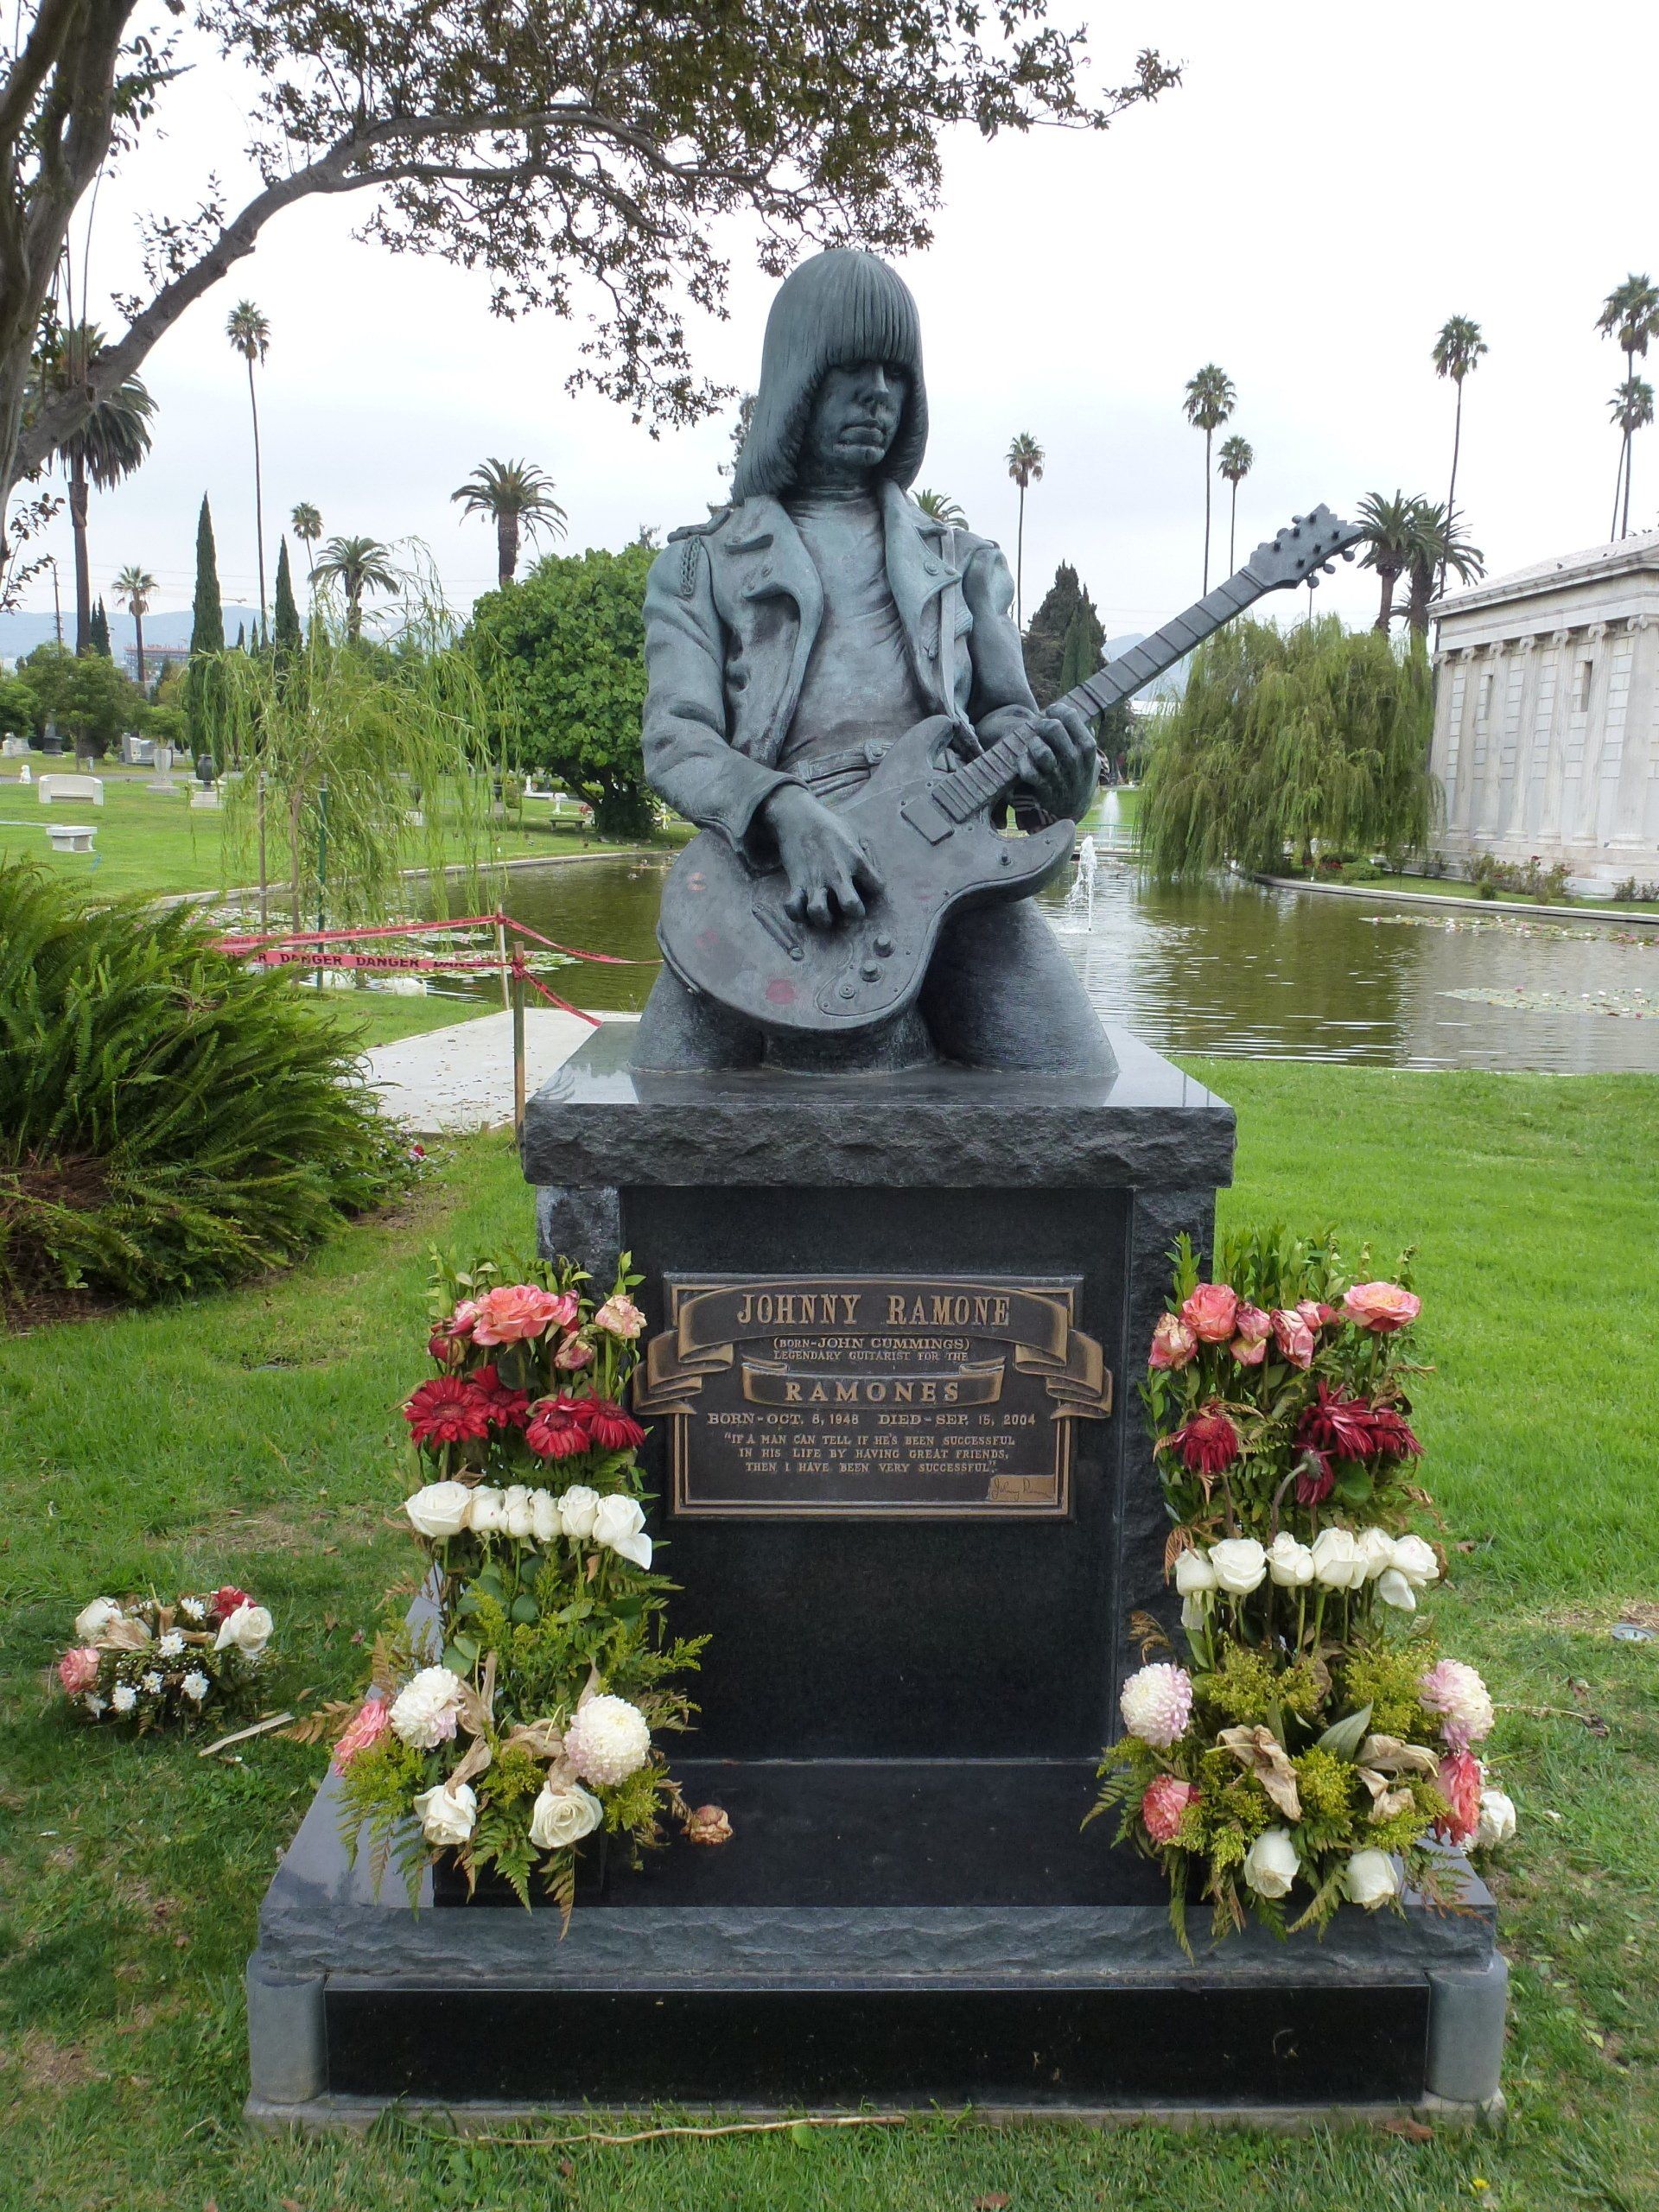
71	836
56	788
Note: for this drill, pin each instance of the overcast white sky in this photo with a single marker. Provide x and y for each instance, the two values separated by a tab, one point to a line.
1329	184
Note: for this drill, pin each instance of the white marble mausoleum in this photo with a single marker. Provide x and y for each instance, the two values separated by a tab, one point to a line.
1546	714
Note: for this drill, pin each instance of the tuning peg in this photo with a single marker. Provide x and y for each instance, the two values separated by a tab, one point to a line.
1347	552
1313	583
1327	570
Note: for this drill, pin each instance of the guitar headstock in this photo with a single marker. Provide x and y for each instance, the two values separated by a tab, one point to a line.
1305	544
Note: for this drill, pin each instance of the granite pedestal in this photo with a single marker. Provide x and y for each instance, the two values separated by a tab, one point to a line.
902	1479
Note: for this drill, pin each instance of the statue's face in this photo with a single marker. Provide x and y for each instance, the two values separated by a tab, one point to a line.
856	417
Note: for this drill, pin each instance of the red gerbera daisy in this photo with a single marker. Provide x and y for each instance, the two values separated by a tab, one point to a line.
612	1429
1207	1440
1338	1424
447	1410
557	1428
508	1408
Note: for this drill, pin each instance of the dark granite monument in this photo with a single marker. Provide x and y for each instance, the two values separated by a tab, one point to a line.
904	1212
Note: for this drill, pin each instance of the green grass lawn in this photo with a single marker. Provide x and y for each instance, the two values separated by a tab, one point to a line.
1451	886
152	841
254	1436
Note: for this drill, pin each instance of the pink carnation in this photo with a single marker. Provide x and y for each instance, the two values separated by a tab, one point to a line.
1295	1337
574	1354
365	1728
1173	1344
1165	1804
78	1669
619	1317
519	1310
1380	1306
1458	1783
1212	1312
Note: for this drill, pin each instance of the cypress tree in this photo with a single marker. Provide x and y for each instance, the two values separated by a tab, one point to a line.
1048	637
98	629
286	633
241	637
207	640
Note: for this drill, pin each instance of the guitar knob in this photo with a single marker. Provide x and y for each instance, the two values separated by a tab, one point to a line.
883	947
870	970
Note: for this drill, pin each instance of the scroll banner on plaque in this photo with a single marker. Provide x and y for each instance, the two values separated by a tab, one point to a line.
709	1324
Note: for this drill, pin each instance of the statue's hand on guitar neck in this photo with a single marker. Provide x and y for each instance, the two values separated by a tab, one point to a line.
830	874
1061	762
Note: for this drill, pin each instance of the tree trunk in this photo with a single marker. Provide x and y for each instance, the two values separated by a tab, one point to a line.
1232	533
138	632
83	566
1385	613
1629	456
353	616
506	548
1019	566
1618	484
1207	436
1451	488
259	494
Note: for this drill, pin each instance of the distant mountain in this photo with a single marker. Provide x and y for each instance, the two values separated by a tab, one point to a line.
1172	684
21	633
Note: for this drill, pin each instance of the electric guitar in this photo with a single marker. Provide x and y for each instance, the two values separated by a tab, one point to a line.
924	818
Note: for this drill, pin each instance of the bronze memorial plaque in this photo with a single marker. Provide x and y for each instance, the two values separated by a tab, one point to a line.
927	1396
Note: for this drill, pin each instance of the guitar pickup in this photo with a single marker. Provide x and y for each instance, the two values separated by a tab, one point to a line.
927	817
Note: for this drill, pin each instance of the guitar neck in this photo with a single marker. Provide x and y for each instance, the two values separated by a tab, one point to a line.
1126	675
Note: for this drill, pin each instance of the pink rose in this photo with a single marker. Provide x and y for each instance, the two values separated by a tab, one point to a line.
1250	1345
1212	1312
517	1311
1173	1344
365	1727
78	1669
1380	1306
1317	1317
1294	1337
575	1353
619	1317
1164	1805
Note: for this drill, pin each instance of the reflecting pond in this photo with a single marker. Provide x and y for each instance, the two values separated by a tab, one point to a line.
1238	969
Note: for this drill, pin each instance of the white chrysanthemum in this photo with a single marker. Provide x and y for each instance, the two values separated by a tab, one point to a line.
1157	1704
171	1644
95	1704
196	1684
152	1685
193	1609
123	1697
424	1712
608	1740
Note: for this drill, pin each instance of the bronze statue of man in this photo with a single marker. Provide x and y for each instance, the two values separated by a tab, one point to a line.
793	636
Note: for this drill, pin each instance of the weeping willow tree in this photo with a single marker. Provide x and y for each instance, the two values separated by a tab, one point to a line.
359	760
1289	737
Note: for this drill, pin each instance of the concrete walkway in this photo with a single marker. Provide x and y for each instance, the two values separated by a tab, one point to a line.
1449	902
461	1078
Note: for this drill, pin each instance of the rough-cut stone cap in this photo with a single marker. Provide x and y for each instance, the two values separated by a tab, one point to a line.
599	1121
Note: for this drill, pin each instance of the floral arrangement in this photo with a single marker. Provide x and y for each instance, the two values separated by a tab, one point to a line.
149	1665
528	1721
1317	1735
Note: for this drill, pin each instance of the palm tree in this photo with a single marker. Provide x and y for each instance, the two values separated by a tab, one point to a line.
1630	314
136	587
516	496
110	444
307	525
249	336
1436	544
1631	407
1234	463
357	564
1457	350
1026	458
941	508
1391	525
1209	400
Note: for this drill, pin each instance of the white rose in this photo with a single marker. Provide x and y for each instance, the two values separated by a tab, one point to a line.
1496	1818
1375	1549
1240	1564
1271	1865
544	1521
1193	1573
424	1711
485	1512
618	1523
93	1619
608	1740
1393	1589
446	1815
1195	1610
439	1510
1416	1560
578	1507
1369	1878
123	1697
248	1628
1336	1562
563	1813
171	1644
1290	1563
516	1511
196	1684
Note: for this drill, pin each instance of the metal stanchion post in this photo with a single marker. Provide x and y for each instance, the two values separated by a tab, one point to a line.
518	1045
